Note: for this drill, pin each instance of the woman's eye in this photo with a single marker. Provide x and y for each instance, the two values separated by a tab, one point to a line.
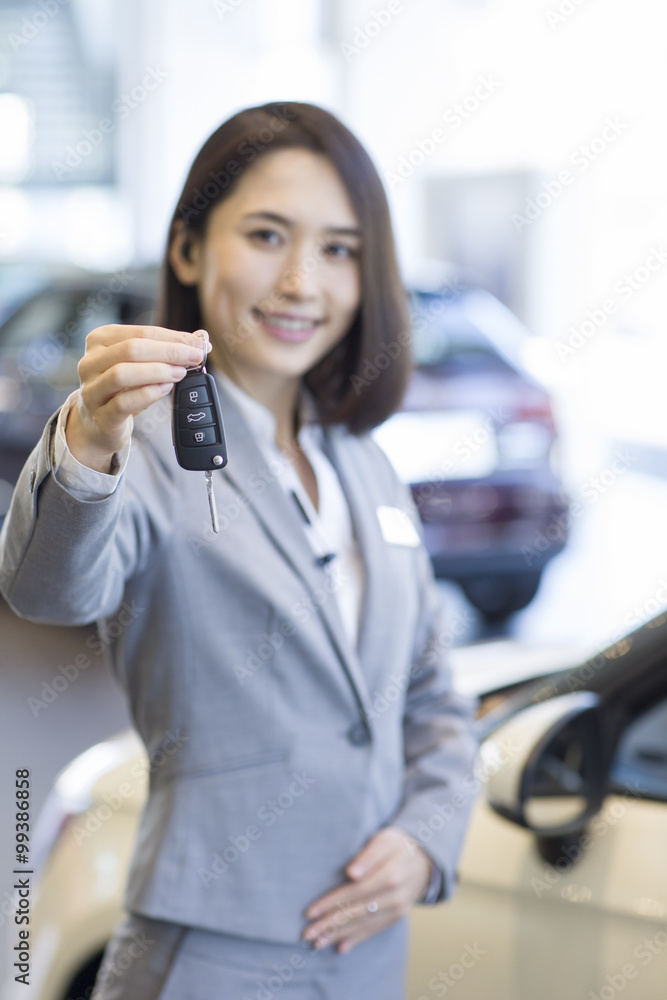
340	250
269	236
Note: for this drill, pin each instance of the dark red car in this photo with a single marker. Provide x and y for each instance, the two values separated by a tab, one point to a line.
476	441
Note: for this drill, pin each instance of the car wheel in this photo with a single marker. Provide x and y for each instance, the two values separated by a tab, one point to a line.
499	596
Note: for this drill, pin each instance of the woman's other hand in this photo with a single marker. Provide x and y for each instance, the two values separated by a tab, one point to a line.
392	871
124	370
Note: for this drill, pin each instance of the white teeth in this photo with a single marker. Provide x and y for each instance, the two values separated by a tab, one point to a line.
291	324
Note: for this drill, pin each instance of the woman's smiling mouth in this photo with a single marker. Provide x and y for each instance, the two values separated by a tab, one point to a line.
287	326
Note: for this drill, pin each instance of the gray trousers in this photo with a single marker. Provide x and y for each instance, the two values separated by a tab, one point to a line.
147	959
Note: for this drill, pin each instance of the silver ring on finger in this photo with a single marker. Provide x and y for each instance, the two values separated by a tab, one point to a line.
372	907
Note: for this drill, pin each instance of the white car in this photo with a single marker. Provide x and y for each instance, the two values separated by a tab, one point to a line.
563	878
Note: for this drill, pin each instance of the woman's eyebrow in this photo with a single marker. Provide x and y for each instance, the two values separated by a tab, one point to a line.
274	217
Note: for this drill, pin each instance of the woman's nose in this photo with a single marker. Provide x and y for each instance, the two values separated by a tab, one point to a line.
299	276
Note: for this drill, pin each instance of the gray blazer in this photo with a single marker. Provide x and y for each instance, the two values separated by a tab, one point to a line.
289	748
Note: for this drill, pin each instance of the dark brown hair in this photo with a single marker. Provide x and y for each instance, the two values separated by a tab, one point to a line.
361	381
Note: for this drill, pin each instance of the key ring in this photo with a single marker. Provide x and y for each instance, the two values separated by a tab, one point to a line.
203	336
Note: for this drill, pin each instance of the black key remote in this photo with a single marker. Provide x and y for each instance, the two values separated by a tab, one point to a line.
197	429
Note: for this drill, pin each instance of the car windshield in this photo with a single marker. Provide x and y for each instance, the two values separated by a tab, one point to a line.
445	337
39	320
55	323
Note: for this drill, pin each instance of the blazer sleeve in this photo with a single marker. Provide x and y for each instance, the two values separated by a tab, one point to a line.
65	561
440	745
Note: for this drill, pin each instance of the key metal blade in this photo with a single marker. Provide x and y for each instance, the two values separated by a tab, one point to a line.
211	501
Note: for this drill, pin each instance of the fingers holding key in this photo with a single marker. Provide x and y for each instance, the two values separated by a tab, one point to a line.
123	371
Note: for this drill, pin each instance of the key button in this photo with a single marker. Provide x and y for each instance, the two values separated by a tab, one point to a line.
195	417
196	438
194	395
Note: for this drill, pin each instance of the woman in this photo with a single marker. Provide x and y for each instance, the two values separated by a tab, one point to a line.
317	789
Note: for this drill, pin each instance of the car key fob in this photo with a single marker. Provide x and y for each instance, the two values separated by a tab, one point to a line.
197	429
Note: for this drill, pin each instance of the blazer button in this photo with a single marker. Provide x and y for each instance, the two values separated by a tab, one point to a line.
358	735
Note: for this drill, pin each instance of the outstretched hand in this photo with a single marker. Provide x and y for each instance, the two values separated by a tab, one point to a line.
391	873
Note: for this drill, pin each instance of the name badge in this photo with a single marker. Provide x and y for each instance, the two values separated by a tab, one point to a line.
396	526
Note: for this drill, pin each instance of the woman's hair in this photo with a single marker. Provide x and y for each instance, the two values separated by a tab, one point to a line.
361	381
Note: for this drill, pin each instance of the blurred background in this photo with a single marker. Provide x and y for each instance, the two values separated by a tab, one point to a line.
521	143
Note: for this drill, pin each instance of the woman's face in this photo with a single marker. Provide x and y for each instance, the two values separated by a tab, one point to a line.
278	270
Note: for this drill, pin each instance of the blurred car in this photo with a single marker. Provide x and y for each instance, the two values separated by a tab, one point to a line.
20	280
41	342
475	437
562	883
476	440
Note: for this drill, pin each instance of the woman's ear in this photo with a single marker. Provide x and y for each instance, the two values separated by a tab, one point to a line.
184	254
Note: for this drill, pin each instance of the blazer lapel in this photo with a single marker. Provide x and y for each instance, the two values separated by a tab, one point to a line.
369	537
281	521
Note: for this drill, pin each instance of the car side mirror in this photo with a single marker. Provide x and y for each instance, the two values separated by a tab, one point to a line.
550	778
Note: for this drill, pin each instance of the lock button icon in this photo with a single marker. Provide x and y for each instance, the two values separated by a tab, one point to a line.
197	438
